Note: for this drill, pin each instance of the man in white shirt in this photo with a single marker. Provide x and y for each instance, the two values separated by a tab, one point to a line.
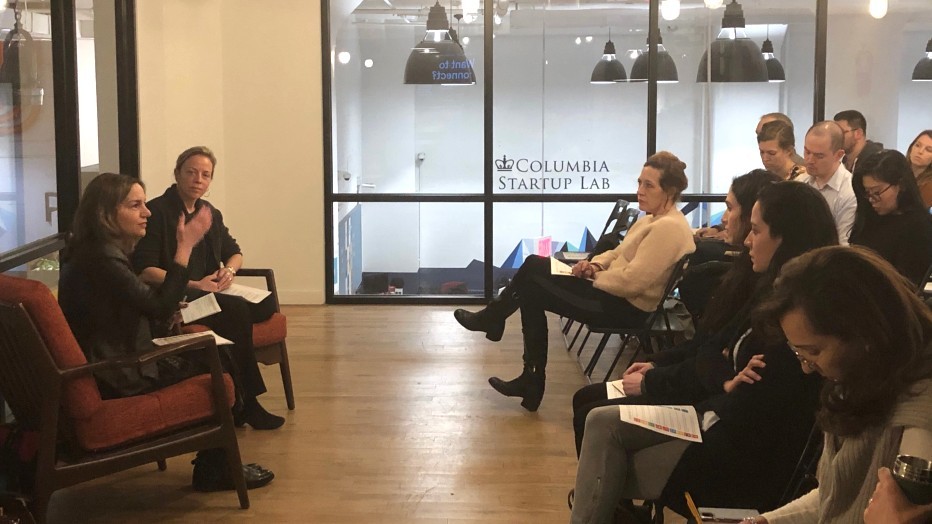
824	149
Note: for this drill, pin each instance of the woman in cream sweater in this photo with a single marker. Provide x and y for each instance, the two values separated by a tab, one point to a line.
851	318
619	287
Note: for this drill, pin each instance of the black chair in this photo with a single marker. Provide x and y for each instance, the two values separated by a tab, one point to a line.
616	221
659	324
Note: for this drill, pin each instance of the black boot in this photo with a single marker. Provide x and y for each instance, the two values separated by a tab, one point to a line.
490	320
211	472
252	413
529	386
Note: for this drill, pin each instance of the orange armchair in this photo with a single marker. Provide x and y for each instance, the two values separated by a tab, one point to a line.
49	387
268	337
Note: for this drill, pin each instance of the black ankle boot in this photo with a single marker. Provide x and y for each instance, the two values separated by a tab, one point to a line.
212	474
255	415
529	386
490	320
479	321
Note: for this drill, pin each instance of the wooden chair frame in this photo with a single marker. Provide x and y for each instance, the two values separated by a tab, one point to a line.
32	384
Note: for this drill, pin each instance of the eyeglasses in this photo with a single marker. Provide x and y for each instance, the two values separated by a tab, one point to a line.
874	196
801	358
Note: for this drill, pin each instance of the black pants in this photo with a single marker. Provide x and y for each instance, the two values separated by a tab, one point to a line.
538	291
235	322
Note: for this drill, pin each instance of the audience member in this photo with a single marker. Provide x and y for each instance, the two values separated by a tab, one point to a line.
857	146
108	307
755	402
659	378
777	146
891	218
619	287
851	318
214	264
920	160
771	117
824	150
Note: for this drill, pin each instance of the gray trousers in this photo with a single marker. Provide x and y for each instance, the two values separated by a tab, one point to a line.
620	461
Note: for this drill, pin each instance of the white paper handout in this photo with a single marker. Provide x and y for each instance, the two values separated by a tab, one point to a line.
164	341
559	268
251	294
197	309
614	389
675	421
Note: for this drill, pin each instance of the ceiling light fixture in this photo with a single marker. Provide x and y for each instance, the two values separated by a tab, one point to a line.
666	67
877	8
670	9
923	70
439	58
608	70
775	71
714	4
20	67
733	56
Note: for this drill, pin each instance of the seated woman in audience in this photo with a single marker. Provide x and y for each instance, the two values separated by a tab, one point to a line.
920	160
777	146
109	308
214	264
619	287
753	400
851	318
733	298
891	218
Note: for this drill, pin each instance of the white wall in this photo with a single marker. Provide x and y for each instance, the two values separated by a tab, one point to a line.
244	80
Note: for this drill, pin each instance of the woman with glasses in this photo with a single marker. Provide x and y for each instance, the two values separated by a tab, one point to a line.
853	320
920	161
755	406
891	218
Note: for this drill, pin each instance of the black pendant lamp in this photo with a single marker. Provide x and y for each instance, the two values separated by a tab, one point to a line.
20	66
734	57
608	70
439	58
666	67
923	70
775	71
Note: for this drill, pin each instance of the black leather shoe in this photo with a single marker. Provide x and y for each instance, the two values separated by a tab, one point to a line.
477	322
211	475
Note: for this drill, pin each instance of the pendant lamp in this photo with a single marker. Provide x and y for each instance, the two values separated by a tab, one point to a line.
608	70
439	58
20	64
666	67
775	71
923	70
733	56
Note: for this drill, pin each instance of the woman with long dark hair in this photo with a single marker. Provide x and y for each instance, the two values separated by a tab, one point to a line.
920	161
669	376
752	399
618	288
851	318
109	308
891	218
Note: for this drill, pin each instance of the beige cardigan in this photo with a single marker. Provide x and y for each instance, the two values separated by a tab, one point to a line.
848	467
640	266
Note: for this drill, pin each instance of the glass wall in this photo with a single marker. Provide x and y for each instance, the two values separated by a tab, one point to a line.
873	47
541	149
28	196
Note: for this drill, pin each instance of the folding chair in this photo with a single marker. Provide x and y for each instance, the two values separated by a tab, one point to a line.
657	324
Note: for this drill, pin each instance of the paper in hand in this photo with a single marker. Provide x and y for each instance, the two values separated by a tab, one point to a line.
251	294
164	341
559	268
203	307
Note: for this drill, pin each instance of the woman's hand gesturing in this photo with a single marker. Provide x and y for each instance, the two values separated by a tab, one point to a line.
746	375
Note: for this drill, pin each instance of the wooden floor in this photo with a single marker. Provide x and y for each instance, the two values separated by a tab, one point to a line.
395	423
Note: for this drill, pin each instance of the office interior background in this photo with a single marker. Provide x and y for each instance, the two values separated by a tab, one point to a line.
332	168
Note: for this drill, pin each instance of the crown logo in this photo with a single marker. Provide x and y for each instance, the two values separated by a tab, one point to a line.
504	164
